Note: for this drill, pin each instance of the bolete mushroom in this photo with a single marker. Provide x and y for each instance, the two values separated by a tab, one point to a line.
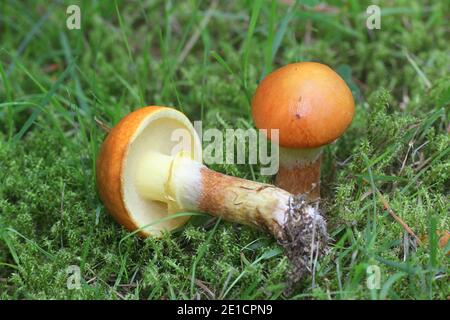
144	176
311	106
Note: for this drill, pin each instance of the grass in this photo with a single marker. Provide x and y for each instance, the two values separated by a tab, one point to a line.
55	82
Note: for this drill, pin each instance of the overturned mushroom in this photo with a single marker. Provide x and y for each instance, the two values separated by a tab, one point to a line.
144	176
311	106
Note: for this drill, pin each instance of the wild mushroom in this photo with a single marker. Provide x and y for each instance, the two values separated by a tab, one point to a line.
144	177
312	106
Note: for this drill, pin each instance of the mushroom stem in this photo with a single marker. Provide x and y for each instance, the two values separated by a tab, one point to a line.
299	171
189	185
233	199
294	221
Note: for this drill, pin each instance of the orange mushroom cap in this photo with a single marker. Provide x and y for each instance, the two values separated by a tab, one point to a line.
308	102
110	166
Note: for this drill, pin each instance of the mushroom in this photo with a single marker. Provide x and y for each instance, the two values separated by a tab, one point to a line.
144	177
311	106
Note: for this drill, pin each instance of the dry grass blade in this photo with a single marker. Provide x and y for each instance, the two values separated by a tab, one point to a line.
102	125
196	35
398	219
208	291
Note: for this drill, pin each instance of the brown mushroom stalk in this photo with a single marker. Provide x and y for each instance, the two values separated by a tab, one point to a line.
191	186
311	106
142	181
299	171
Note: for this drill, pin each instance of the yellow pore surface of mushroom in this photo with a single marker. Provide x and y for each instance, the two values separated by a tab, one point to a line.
135	165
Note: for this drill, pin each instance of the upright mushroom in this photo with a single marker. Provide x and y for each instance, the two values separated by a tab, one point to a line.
144	176
311	105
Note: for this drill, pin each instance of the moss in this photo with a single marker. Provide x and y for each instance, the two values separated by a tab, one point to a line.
51	217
